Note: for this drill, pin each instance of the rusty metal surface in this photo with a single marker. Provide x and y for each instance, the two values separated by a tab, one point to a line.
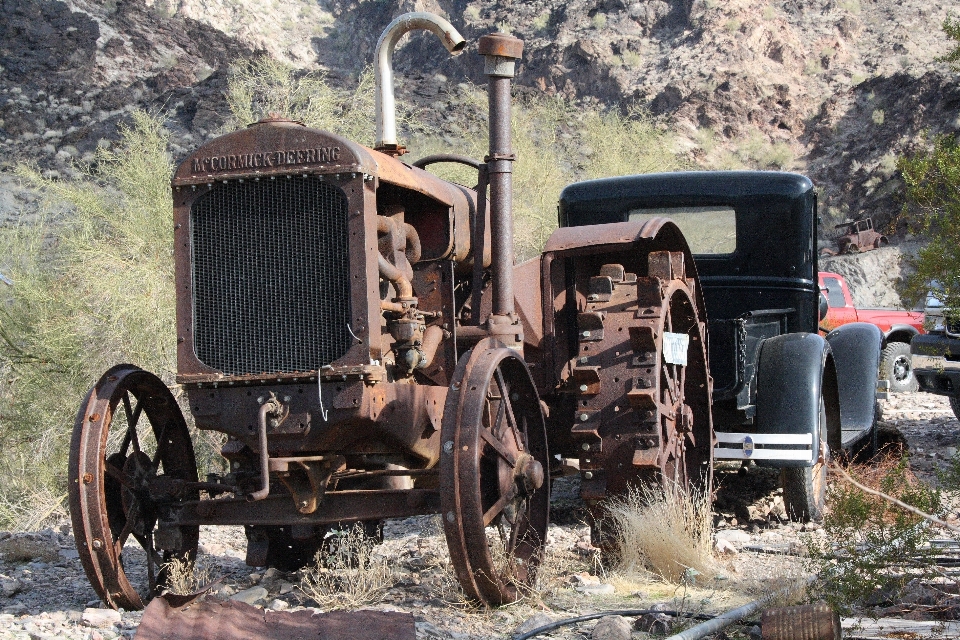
274	147
355	416
229	620
806	622
638	416
494	489
500	44
440	211
110	491
337	506
526	281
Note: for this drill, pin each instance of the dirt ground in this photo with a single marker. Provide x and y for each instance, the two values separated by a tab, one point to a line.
45	594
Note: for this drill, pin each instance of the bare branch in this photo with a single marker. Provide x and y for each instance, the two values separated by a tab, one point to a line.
891	499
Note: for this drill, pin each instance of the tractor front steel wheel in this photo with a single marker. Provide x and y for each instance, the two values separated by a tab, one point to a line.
130	457
494	486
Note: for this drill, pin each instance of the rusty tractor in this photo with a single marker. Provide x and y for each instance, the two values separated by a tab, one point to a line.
358	330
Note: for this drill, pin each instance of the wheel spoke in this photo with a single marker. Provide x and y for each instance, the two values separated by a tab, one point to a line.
151	570
118	475
497	508
161	446
511	419
133	417
498	446
129	519
501	411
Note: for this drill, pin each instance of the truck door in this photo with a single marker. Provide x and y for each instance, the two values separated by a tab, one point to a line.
839	311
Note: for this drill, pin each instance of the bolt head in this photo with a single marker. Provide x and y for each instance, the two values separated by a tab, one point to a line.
584	417
588	475
583	388
585	446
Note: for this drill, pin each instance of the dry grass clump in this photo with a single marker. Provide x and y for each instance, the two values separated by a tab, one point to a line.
663	530
185	577
349	574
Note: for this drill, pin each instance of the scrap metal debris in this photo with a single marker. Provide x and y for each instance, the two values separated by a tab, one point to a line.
212	619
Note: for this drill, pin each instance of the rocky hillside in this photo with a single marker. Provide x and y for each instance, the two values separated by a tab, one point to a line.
833	88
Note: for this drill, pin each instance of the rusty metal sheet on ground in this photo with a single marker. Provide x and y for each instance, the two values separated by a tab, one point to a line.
228	620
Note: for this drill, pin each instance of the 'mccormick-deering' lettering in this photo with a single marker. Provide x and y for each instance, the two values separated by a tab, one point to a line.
214	164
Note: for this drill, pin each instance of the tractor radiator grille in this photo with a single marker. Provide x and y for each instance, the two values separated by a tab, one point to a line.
270	276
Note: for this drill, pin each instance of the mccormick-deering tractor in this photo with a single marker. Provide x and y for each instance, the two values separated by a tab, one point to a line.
358	330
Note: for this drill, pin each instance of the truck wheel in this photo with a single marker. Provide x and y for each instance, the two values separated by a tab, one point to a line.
895	366
805	488
955	405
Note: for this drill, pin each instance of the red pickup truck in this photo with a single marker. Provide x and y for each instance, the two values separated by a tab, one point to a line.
898	328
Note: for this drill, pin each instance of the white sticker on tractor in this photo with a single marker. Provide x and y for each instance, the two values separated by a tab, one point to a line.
675	348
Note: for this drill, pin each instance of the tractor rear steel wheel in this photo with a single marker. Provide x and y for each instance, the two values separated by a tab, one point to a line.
642	383
494	488
130	456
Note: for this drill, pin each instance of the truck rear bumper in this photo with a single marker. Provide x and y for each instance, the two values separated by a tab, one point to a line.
764	446
936	364
941	381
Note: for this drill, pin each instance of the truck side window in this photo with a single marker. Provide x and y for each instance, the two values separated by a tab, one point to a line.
834	292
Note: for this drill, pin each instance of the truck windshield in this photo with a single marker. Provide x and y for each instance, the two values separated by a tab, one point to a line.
708	230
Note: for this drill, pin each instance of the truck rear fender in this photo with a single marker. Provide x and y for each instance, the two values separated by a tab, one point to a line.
856	352
900	333
793	371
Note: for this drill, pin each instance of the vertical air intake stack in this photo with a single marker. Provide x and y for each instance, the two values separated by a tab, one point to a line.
500	52
386	104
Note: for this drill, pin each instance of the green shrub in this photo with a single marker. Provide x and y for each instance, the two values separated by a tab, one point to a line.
541	22
872	549
931	178
263	85
93	286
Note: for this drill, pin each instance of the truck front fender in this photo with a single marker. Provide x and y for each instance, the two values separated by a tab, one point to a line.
794	372
856	352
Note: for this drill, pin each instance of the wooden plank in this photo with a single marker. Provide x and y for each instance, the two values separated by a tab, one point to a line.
898	629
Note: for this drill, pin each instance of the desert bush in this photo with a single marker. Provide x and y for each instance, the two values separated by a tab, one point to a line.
931	177
347	573
93	286
663	530
557	142
261	86
872	549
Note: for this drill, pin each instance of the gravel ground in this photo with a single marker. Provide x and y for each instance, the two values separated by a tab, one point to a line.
45	594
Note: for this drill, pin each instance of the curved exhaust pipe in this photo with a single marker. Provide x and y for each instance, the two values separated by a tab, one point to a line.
386	104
